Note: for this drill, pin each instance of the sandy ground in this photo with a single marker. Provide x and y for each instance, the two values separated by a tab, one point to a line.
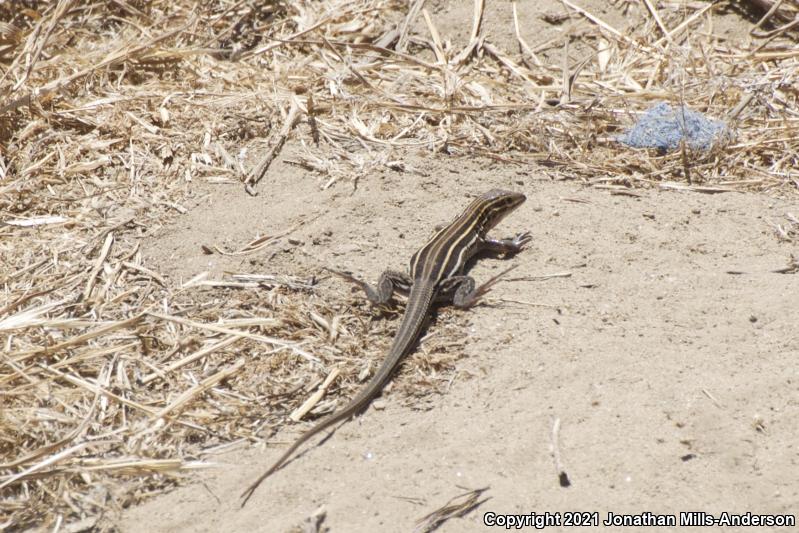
674	381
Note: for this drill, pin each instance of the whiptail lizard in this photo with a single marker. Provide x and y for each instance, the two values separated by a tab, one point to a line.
436	274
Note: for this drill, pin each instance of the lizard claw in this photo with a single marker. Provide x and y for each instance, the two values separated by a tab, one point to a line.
485	287
344	275
522	238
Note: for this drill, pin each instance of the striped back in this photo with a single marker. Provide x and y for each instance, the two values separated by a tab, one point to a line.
447	252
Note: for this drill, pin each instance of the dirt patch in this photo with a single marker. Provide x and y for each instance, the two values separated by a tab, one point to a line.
673	379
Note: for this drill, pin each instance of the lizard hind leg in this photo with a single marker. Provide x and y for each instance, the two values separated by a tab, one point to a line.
462	291
390	282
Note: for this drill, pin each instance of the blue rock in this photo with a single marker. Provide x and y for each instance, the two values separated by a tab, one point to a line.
662	127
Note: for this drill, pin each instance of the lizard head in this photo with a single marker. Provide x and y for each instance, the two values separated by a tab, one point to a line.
492	206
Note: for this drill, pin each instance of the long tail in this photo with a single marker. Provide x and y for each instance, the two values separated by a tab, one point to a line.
419	302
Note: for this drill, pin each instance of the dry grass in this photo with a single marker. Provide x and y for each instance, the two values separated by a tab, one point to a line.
113	381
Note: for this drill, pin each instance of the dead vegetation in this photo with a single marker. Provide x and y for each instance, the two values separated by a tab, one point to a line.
112	378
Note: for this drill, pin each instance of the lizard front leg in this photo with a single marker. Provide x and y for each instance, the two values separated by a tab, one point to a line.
507	246
390	282
461	291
